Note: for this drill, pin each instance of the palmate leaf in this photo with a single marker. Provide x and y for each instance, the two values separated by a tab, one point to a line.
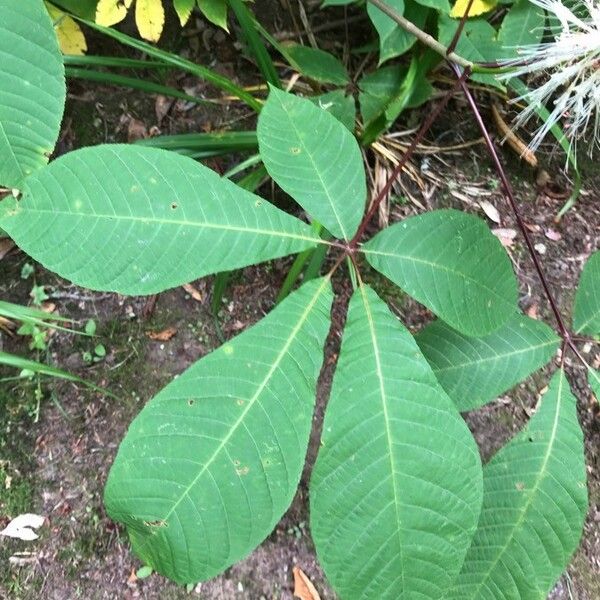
32	89
534	504
396	490
210	464
140	220
586	315
315	159
449	261
473	370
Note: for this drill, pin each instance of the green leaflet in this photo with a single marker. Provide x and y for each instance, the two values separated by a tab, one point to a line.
315	159
340	105
523	25
534	504
396	490
473	370
32	92
586	315
141	220
210	465
477	43
393	40
316	64
450	262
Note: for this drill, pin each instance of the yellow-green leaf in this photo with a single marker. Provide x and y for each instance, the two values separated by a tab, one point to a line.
111	12
150	19
478	8
69	34
183	8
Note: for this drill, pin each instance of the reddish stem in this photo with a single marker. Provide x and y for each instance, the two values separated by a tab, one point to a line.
433	115
508	192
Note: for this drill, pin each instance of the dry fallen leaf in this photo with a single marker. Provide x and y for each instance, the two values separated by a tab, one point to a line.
136	130
22	527
193	292
162	105
506	236
303	587
490	210
162	336
532	311
6	245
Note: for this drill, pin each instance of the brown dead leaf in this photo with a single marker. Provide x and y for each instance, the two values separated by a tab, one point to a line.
136	130
303	587
48	307
6	245
7	326
193	292
490	210
506	236
532	311
162	106
162	336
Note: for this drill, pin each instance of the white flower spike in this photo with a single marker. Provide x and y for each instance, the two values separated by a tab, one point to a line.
572	62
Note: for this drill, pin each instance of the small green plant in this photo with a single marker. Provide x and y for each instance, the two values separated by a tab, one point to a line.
400	503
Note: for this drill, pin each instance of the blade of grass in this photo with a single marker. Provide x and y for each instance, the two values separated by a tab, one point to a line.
220	142
247	24
89	60
131	82
223	83
250	182
296	269
245	164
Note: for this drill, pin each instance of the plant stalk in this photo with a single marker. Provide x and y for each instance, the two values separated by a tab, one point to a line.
509	193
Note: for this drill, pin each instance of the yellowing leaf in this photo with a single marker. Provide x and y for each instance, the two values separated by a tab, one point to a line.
70	36
111	12
478	8
183	8
150	18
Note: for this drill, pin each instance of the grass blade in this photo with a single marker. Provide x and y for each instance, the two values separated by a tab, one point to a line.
249	32
223	83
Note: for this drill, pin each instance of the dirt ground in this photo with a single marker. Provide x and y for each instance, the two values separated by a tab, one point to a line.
55	453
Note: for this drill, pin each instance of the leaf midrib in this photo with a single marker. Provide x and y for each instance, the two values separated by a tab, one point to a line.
439	267
492	358
317	171
383	393
533	492
179	222
255	397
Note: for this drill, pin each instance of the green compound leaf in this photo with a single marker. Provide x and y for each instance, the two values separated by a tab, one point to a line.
210	465
534	504
140	220
586	315
32	89
450	262
473	370
396	490
315	159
